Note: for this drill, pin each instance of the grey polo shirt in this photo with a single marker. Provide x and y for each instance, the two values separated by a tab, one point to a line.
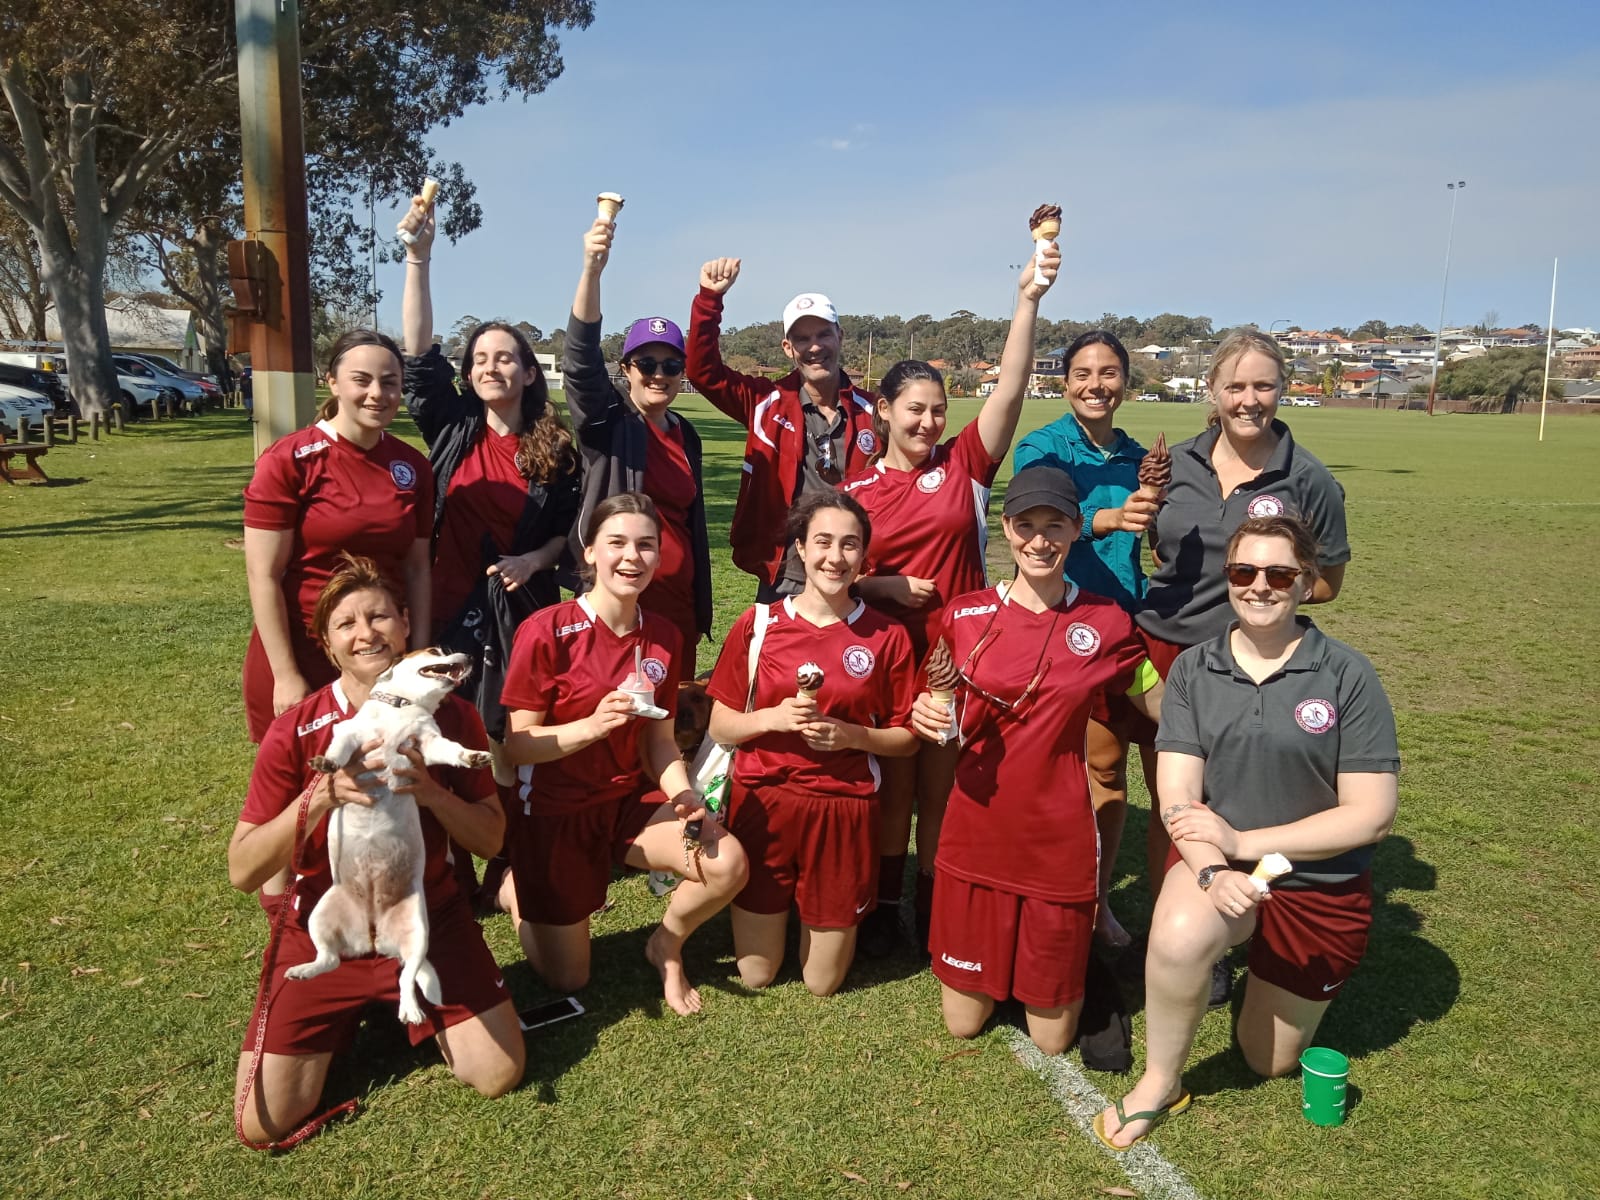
1187	600
1274	750
824	452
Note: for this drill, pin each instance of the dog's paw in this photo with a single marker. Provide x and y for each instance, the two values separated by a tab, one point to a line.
477	759
410	1011
322	764
303	971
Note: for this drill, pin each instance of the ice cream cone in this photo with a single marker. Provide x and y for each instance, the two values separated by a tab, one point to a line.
808	678
1045	226
608	204
1273	866
1047	231
406	231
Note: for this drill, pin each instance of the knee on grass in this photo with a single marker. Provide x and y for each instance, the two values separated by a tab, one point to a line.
757	973
495	1075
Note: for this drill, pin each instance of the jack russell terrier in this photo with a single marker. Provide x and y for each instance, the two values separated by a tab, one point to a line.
376	854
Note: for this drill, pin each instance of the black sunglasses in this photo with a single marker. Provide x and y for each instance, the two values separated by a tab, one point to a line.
826	467
1244	574
649	365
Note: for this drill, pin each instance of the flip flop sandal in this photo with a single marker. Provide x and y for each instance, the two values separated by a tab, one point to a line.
1154	1115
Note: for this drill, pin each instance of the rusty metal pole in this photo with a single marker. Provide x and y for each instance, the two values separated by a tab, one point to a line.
275	215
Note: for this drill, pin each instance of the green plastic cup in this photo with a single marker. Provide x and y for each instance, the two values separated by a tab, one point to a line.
1323	1076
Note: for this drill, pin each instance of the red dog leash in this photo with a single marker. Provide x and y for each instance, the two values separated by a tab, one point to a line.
264	1003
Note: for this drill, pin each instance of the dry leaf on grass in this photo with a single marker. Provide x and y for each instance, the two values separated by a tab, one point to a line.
967	1053
124	724
197	995
1118	1191
144	1113
903	1186
853	1177
133	982
76	971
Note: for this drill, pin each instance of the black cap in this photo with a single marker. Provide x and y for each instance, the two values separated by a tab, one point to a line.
1033	487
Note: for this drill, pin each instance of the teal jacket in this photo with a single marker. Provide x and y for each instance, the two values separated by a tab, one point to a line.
1108	566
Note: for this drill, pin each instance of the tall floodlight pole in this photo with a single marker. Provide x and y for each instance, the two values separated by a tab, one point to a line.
1549	346
1456	189
270	268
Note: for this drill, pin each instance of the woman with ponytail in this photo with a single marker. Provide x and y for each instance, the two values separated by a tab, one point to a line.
928	500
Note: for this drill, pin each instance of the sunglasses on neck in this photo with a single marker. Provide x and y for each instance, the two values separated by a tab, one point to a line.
650	365
1244	574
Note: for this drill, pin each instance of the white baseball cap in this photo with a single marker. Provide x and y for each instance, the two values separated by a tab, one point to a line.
808	304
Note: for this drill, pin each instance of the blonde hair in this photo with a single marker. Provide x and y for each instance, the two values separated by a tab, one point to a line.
1239	343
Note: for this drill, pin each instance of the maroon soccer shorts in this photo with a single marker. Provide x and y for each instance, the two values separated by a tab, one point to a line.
561	863
320	1015
820	852
1002	945
1309	940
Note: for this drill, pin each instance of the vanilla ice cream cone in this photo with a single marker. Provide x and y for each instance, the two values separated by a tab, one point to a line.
407	231
1273	866
608	205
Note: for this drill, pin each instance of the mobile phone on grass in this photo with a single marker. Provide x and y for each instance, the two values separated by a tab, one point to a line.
549	1014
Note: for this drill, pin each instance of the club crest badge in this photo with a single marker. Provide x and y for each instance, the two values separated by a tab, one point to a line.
803	302
932	481
1315	716
404	474
1265	506
865	442
1083	640
657	325
858	661
654	670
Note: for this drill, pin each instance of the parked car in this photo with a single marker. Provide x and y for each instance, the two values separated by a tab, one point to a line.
208	383
46	383
1150	397
23	403
190	391
139	392
1304	402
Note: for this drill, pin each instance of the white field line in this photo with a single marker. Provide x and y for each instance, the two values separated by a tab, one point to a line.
1151	1175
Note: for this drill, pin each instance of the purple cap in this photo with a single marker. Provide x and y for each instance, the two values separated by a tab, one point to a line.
652	329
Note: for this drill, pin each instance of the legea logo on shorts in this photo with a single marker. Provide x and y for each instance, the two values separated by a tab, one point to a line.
1265	506
1083	640
932	480
960	964
858	661
1315	716
405	475
654	670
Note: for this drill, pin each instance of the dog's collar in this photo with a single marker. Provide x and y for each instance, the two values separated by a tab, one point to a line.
390	699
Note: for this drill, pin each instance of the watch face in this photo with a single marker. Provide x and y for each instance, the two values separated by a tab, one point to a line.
1204	879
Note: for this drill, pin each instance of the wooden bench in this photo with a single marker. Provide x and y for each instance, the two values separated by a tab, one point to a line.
30	471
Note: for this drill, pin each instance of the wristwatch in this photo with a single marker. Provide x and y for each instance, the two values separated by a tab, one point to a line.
1208	875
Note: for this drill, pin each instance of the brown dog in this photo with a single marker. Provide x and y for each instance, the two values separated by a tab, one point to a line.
694	716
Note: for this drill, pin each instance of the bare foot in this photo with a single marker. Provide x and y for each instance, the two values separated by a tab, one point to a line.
1108	931
680	997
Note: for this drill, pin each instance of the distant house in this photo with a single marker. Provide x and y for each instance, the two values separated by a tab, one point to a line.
138	327
1155	353
1371	383
1588	354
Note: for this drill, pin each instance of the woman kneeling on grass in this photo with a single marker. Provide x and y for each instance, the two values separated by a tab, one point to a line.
1274	740
1014	895
831	692
362	626
580	671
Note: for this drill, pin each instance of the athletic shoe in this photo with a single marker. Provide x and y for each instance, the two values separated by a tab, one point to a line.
878	935
1221	983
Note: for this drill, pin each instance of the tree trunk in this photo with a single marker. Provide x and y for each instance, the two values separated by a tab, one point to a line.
210	323
80	306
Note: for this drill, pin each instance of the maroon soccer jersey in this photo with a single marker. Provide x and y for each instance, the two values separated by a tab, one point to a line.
282	772
486	495
931	522
1019	817
868	679
564	659
669	481
332	495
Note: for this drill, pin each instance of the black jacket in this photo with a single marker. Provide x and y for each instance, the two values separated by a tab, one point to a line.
450	423
613	440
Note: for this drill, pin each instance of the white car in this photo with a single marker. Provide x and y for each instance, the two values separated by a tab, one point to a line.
1304	402
138	393
24	402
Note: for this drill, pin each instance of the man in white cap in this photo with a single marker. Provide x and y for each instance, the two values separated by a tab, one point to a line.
805	432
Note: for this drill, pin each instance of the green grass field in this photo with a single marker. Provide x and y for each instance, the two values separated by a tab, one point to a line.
127	964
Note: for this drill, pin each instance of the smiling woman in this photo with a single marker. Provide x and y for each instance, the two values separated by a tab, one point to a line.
343	484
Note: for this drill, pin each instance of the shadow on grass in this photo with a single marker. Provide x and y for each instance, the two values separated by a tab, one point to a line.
154	516
1403	981
1373	470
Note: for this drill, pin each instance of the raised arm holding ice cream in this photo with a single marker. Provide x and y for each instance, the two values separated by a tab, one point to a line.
928	499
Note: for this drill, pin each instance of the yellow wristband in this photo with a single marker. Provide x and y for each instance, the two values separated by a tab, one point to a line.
1145	678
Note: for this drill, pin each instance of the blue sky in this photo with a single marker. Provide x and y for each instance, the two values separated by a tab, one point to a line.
1252	163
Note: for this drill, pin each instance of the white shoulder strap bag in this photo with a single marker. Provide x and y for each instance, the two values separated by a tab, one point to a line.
712	768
